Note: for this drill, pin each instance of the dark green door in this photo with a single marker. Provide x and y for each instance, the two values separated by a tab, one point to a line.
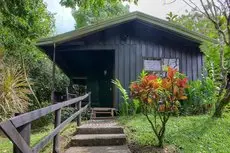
106	91
99	82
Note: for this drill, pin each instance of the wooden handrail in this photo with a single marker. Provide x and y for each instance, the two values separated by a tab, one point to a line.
36	114
13	127
45	140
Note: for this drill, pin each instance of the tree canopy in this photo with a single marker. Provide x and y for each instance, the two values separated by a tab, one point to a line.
214	21
194	21
96	4
22	22
86	16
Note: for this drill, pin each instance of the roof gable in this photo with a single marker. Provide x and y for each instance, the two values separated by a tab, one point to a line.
87	30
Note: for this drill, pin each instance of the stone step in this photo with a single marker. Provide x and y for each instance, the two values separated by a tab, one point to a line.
98	139
102	118
99	149
99	130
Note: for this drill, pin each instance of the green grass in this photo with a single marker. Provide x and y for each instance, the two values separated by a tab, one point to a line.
191	134
38	134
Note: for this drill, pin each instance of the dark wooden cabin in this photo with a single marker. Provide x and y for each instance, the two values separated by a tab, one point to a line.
120	48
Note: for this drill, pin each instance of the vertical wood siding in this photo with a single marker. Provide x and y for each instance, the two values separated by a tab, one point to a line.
129	54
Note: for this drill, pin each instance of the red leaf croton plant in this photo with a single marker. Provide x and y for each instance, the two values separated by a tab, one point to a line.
159	97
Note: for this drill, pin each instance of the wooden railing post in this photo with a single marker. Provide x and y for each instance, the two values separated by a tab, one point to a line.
57	121
79	116
18	128
56	146
25	133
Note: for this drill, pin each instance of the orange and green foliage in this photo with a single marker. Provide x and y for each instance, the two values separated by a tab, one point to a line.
159	96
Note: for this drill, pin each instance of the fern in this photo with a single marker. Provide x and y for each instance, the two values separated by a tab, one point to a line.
125	97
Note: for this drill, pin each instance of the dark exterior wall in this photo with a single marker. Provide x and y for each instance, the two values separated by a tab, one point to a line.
133	43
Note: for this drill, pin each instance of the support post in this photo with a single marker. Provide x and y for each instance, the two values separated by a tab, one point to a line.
79	116
90	109
67	93
57	113
25	133
53	74
89	100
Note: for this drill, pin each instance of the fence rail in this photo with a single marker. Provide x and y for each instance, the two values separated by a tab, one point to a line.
18	128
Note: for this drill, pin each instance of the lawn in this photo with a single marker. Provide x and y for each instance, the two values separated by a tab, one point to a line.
190	134
38	134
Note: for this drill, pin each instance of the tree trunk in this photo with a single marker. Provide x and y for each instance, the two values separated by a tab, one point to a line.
219	109
224	101
161	141
161	135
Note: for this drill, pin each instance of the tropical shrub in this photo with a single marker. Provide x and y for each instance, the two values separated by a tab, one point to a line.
201	97
159	97
14	90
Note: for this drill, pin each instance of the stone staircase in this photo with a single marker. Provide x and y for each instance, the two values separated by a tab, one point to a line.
99	136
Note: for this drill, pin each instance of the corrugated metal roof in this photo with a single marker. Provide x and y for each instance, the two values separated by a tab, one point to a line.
84	31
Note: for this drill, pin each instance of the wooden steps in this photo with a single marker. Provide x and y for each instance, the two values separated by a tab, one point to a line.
99	136
99	130
99	149
102	118
98	140
102	110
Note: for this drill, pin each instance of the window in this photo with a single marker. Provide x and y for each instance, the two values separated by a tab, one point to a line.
152	65
174	63
157	66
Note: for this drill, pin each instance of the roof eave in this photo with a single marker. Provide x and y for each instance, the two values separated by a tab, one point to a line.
45	43
87	30
177	29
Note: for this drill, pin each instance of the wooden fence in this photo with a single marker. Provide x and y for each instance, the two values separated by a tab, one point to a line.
18	128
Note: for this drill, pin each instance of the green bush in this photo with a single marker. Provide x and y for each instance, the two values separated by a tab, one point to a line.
201	97
135	107
67	112
41	75
45	120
